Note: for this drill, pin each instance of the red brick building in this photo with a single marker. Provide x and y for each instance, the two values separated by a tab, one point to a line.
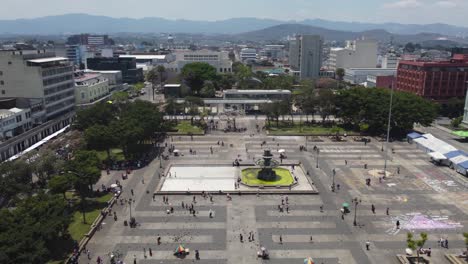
440	80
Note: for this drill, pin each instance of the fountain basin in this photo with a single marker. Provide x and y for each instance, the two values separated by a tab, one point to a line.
283	177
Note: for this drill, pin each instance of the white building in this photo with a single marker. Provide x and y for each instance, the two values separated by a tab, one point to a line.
36	74
305	55
359	75
219	60
356	54
90	87
248	54
274	52
13	122
390	61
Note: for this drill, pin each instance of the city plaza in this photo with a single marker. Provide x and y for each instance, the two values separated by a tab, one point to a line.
423	197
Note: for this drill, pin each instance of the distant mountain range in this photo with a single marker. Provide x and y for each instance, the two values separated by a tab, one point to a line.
79	23
281	31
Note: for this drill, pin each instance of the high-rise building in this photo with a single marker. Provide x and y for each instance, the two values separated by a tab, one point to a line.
356	54
38	75
130	73
248	54
437	80
305	55
87	39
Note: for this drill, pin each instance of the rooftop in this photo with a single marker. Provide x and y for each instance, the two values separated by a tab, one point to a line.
234	91
86	76
51	59
144	57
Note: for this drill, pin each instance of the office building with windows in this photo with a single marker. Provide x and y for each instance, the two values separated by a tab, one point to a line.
305	55
38	75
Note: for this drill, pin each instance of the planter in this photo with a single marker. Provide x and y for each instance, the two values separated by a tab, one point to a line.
404	259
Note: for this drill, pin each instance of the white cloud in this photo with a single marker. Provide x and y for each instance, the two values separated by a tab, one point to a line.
404	4
446	4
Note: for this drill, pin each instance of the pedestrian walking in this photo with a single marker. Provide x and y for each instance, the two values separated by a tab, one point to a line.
183	205
194	199
398	170
241	238
446	243
134	259
345	162
398	224
287	209
159	240
373	208
311	239
142	180
150	252
88	253
132	192
281	239
387	211
197	254
368	245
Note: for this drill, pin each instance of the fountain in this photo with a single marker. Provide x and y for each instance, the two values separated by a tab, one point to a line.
267	173
267	164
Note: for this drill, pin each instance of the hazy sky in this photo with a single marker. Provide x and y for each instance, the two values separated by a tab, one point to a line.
403	11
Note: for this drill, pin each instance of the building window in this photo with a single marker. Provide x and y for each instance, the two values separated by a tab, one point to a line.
3	91
1	73
2	82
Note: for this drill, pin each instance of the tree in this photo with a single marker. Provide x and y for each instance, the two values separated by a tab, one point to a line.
340	73
416	244
326	103
119	97
60	184
46	165
208	91
152	76
99	137
305	98
225	81
196	73
29	234
452	108
409	47
101	113
370	105
456	121
15	178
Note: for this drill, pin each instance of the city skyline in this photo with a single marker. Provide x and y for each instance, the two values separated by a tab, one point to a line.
367	11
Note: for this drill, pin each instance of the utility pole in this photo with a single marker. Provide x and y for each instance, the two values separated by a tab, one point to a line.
388	134
318	153
356	202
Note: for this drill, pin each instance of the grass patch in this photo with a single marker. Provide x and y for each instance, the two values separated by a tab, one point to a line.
297	129
94	206
116	155
184	127
283	177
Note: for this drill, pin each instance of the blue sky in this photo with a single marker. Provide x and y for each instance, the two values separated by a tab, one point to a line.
403	11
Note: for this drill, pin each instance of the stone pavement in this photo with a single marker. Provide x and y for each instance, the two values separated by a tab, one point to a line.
423	197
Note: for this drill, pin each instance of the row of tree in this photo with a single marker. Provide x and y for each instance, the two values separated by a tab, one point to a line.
126	125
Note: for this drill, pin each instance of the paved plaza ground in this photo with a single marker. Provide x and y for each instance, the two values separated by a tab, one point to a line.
423	197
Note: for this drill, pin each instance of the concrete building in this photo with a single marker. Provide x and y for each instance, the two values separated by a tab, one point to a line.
127	66
248	54
390	61
14	122
88	39
437	80
305	55
219	60
150	59
274	52
40	76
380	81
359	75
356	54
90	87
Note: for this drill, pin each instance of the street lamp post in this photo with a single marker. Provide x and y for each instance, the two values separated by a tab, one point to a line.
388	134
356	202
333	181
318	154
130	204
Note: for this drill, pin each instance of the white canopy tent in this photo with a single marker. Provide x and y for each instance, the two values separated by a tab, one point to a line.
433	144
437	156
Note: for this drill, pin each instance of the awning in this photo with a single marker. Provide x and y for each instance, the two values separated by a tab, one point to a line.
459	159
463	165
413	135
437	156
453	154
